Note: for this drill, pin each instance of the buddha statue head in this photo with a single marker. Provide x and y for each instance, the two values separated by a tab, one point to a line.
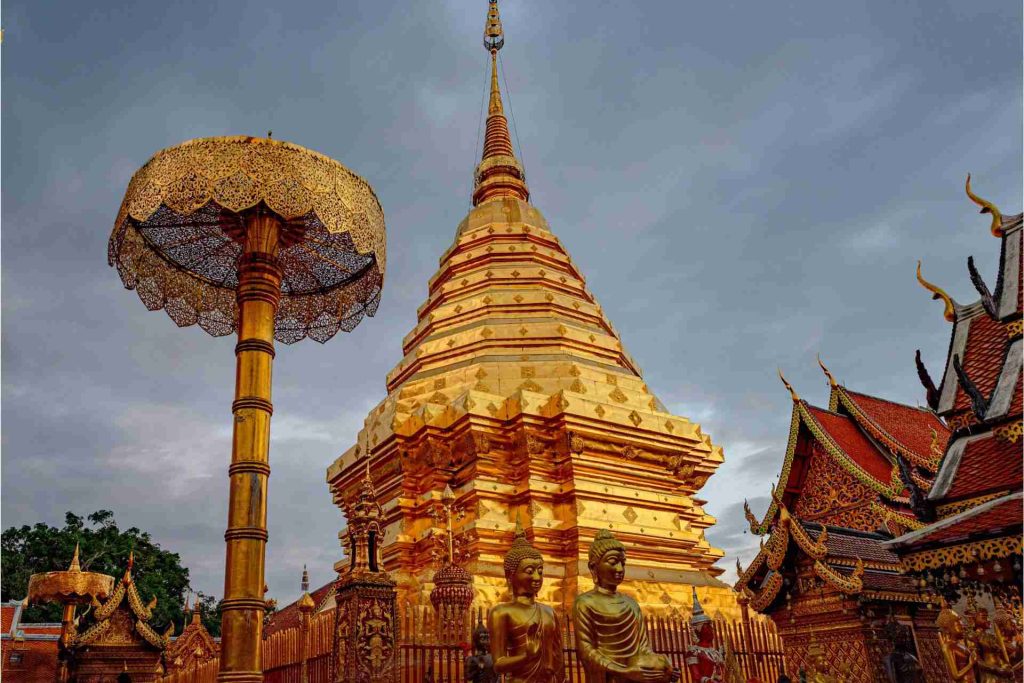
950	624
1006	623
981	620
524	566
607	560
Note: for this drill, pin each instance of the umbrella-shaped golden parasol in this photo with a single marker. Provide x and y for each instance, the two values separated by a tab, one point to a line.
70	588
269	240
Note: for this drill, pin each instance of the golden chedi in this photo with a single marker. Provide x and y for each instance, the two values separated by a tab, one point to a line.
526	638
516	390
611	637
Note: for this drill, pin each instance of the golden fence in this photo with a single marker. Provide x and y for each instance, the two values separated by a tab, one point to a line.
427	653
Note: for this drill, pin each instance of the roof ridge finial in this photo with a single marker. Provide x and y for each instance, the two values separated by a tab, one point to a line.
304	585
987	207
831	380
128	569
792	392
75	566
949	312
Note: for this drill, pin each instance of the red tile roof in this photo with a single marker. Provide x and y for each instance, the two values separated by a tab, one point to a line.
988	464
7	616
909	426
852	441
38	661
288	616
983	357
984	520
840	544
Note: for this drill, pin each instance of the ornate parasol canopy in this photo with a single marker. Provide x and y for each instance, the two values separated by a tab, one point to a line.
70	587
180	230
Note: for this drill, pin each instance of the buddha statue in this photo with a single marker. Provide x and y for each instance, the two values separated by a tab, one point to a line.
526	640
479	666
960	658
611	639
1008	631
901	665
991	665
704	661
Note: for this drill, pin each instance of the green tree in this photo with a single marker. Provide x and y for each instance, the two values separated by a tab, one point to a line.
104	548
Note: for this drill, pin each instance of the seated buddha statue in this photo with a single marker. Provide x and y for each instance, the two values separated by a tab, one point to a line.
526	640
611	639
960	659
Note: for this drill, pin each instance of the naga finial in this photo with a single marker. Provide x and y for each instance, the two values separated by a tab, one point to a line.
987	207
935	447
949	312
494	36
789	386
751	519
831	380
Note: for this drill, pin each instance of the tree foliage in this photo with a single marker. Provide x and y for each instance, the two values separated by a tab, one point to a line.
104	548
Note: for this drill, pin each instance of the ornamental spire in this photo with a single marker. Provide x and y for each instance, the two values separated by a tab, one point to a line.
499	173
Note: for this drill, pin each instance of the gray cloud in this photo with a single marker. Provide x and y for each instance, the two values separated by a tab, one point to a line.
743	186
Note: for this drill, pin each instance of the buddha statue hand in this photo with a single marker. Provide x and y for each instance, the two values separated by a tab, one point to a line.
650	668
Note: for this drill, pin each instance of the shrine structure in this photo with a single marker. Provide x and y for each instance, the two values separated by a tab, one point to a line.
194	647
973	544
118	638
824	574
516	390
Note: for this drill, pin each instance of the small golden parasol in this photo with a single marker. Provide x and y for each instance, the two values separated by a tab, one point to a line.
70	588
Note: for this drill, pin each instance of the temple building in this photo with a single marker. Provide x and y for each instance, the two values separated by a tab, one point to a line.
515	389
885	512
824	574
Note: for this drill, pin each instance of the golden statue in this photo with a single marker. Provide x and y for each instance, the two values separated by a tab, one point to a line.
611	639
992	665
1008	631
817	666
526	640
960	658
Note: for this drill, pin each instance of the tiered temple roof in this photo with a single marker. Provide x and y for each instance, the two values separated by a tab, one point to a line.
194	646
976	495
124	618
841	495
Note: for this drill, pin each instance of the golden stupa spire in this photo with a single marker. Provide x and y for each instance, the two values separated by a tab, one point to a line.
499	173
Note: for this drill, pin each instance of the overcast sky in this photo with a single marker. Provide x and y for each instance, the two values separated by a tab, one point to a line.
744	185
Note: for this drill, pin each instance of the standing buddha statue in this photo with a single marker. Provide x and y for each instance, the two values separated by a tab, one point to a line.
704	661
960	658
1009	633
991	666
480	665
526	640
611	638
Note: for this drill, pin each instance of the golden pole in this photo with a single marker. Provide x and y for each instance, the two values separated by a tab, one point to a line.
258	294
